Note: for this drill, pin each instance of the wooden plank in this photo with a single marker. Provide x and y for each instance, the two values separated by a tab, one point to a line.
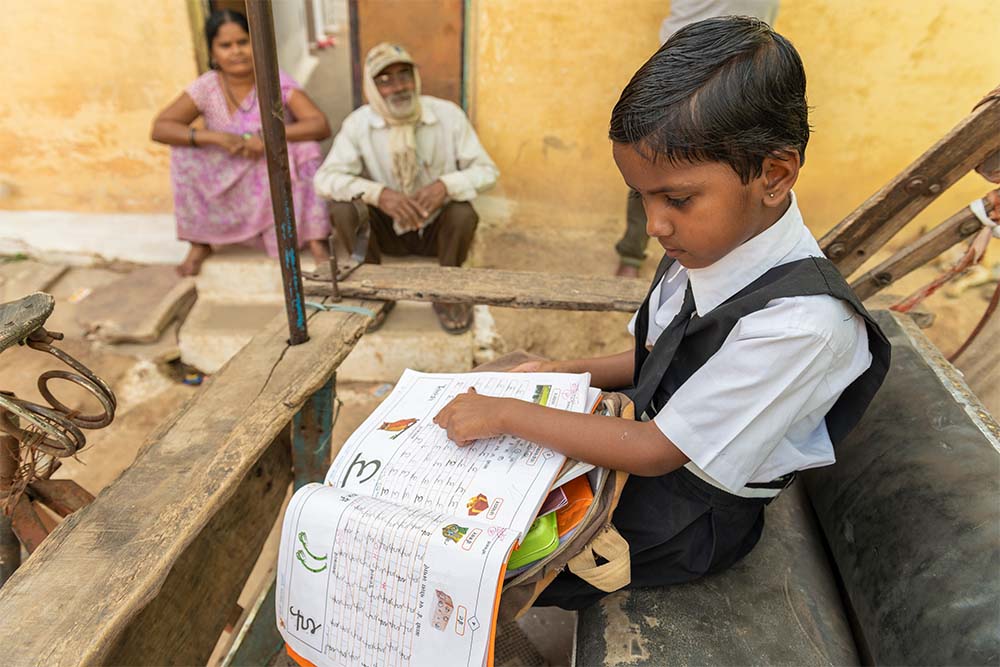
511	289
960	226
183	623
74	600
872	224
112	315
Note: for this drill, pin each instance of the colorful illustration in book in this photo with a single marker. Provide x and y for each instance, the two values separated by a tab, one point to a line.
454	532
477	504
541	395
397	427
302	553
442	611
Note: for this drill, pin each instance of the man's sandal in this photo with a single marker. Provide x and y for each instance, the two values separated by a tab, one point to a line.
455	318
379	320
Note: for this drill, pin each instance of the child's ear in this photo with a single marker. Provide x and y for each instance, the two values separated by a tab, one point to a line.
779	173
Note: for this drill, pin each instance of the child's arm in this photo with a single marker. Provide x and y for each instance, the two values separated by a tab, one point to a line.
638	448
611	372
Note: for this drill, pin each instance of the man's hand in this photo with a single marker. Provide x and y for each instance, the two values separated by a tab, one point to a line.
431	197
407	212
469	417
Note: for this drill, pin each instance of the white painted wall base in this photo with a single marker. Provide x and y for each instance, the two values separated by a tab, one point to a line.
83	238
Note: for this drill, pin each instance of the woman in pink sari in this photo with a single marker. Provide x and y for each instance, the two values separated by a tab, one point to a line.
221	192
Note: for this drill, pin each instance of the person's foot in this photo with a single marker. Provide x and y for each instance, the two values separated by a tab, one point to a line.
627	271
379	320
320	251
455	318
196	256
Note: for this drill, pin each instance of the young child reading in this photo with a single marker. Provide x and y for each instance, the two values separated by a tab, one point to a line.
752	356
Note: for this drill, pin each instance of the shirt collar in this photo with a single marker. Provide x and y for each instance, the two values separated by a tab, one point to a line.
715	283
427	115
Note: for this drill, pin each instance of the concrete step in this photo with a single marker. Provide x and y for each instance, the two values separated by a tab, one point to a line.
241	274
410	338
215	331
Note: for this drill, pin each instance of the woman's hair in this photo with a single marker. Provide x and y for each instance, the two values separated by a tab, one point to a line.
219	19
726	89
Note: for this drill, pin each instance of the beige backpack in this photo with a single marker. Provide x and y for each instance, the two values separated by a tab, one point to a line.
593	538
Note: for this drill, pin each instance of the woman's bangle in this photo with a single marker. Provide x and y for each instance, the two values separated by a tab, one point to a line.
191	139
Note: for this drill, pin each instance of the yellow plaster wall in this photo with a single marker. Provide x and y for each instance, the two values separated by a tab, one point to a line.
80	83
887	78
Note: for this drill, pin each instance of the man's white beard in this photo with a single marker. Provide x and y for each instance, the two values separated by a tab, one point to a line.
401	109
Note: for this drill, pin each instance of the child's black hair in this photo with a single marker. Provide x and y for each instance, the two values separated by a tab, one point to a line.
726	89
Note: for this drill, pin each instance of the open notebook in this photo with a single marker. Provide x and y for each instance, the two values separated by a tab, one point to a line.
398	557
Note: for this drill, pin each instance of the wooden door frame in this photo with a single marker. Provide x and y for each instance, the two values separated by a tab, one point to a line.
357	98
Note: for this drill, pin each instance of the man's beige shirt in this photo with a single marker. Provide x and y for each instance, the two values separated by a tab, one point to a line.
448	149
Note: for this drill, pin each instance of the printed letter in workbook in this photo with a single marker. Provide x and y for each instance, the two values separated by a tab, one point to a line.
397	558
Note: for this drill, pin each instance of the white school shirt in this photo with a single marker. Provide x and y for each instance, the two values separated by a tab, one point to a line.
448	149
755	411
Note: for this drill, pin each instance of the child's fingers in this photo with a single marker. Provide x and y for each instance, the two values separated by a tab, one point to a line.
526	367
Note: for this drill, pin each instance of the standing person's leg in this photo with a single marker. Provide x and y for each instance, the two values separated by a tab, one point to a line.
449	239
632	247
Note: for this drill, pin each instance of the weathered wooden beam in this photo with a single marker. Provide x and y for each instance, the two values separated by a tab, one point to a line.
211	572
872	224
492	287
961	225
76	599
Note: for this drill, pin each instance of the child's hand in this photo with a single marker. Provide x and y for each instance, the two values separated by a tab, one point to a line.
469	417
541	366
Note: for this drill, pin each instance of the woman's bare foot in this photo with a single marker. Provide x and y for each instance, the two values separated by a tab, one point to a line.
320	252
196	256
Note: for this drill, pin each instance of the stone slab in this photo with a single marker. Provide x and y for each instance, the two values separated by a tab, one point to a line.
137	307
19	278
164	349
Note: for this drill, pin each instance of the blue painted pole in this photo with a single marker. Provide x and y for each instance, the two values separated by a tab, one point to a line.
272	118
312	431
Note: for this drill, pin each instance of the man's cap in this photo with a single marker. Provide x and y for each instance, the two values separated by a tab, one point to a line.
385	54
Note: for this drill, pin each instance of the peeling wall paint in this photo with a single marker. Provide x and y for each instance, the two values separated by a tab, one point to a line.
886	80
81	83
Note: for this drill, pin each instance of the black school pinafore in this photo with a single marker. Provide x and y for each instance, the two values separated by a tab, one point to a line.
678	526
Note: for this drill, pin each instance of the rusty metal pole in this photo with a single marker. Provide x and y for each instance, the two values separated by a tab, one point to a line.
10	546
272	118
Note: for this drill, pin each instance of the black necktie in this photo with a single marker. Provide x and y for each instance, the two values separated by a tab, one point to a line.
658	361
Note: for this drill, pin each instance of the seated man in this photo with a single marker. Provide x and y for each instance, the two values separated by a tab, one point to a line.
416	162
